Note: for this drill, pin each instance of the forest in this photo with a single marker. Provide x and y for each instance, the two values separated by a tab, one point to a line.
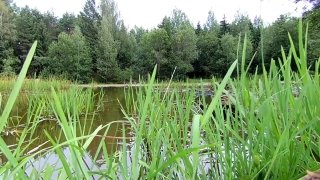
96	44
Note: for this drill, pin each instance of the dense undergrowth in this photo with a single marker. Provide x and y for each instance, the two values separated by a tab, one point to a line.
270	133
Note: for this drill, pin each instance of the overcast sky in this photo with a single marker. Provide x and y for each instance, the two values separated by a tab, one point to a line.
149	13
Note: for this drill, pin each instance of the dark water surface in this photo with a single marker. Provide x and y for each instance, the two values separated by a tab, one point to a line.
109	112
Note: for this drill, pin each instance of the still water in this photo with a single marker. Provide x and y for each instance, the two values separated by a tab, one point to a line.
109	112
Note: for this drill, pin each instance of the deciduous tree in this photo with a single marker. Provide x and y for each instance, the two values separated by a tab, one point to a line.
70	56
8	62
107	65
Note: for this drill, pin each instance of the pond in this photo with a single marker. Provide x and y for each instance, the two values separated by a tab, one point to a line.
112	100
109	112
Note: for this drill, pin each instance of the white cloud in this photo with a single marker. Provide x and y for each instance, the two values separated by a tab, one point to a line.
149	13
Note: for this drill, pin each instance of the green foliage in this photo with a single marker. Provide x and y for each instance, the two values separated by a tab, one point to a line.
224	26
70	56
10	65
126	49
227	52
13	157
179	18
51	31
68	119
312	18
89	22
158	42
176	45
281	27
185	50
268	127
144	62
66	23
271	133
32	25
42	85
205	64
8	35
211	23
138	33
107	65
241	24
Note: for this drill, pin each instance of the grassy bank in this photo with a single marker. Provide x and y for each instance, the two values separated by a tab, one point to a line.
96	85
257	128
7	83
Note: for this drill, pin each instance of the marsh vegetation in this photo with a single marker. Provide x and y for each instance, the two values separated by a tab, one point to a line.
244	127
255	116
97	44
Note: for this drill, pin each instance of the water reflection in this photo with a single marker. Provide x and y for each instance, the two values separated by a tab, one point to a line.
109	112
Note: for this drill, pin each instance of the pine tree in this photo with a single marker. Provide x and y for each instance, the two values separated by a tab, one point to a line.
89	22
224	26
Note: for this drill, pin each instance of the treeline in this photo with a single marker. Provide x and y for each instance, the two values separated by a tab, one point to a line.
97	45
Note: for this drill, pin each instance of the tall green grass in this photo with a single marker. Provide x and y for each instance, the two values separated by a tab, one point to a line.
271	134
29	85
76	133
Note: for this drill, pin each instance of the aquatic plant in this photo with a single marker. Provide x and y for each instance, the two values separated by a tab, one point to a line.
29	85
271	133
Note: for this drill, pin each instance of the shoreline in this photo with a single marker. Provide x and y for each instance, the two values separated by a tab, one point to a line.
138	85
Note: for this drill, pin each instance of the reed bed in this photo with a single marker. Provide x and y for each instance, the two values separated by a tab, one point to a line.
73	118
29	85
263	131
270	133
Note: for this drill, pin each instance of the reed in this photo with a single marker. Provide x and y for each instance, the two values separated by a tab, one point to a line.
272	132
29	85
254	127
